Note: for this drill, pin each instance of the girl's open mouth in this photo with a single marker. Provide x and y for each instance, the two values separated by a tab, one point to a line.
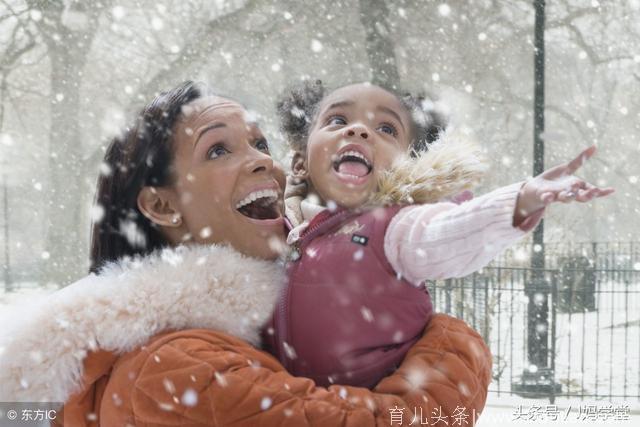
352	164
260	205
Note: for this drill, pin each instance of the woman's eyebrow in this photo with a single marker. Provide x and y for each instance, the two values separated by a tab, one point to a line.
392	112
208	128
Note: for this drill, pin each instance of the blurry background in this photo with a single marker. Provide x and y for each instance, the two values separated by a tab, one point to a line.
73	72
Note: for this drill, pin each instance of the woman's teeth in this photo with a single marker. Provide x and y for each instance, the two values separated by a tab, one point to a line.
271	195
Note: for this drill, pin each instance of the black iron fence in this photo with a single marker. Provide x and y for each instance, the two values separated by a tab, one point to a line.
590	338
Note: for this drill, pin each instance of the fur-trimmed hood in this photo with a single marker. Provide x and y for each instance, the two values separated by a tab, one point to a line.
212	287
453	163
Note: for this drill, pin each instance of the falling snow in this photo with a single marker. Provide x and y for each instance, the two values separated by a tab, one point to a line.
475	60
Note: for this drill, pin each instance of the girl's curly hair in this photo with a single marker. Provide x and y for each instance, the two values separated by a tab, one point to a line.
298	107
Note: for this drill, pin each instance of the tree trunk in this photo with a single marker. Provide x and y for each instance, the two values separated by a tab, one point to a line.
378	43
64	241
68	48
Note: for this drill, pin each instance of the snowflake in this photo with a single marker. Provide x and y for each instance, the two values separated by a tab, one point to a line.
169	386
118	12
205	232
157	23
265	403
96	213
366	314
130	230
220	379
316	45
189	398
444	9
289	351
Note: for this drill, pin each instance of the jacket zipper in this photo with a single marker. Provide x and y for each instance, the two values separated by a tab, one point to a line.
281	314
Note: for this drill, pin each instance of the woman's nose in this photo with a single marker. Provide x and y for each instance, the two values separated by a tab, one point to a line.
357	130
259	162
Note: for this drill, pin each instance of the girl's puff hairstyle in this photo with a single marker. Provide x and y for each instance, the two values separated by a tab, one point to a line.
297	110
141	156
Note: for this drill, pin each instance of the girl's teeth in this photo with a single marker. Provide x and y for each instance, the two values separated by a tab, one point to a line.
354	154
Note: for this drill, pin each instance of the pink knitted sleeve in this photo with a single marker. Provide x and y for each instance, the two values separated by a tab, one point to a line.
443	240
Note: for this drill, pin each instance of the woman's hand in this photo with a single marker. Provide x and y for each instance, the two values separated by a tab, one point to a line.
558	184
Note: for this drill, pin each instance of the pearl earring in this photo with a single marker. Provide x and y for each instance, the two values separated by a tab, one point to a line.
175	220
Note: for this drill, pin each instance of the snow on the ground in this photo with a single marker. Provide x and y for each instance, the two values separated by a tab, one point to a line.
597	352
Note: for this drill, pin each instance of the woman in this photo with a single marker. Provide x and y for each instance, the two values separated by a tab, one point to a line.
167	336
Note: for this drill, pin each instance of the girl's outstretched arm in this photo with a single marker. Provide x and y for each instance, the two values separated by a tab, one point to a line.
443	240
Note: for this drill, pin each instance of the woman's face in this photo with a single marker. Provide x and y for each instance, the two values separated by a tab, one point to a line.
228	189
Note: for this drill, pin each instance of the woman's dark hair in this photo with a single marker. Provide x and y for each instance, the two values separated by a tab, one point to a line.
142	156
297	111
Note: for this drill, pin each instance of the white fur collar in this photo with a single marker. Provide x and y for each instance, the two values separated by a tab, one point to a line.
213	287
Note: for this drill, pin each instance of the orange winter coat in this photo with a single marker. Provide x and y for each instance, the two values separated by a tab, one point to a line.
199	377
101	346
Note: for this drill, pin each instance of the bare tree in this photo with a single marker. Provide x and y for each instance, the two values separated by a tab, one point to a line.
378	42
20	42
67	29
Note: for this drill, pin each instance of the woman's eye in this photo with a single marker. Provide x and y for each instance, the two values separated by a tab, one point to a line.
262	145
216	151
336	120
387	128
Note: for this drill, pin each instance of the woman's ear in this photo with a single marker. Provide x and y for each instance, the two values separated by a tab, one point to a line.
156	205
299	166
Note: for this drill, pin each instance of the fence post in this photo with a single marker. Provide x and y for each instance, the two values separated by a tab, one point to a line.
538	380
552	355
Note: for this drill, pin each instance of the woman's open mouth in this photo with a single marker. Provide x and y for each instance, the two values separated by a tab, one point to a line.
260	205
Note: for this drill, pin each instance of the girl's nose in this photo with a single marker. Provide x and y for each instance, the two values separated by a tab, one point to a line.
356	130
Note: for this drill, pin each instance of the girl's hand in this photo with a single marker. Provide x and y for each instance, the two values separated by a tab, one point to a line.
558	184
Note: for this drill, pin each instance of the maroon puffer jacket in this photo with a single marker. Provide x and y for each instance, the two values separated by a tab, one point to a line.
345	316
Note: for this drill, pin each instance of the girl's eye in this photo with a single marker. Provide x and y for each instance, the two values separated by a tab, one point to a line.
387	128
216	151
262	145
336	120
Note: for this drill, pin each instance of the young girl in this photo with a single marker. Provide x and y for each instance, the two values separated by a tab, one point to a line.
355	303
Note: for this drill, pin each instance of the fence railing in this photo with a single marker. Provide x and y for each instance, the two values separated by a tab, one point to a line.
592	336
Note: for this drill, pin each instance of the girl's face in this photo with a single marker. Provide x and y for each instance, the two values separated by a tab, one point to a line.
228	188
358	132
